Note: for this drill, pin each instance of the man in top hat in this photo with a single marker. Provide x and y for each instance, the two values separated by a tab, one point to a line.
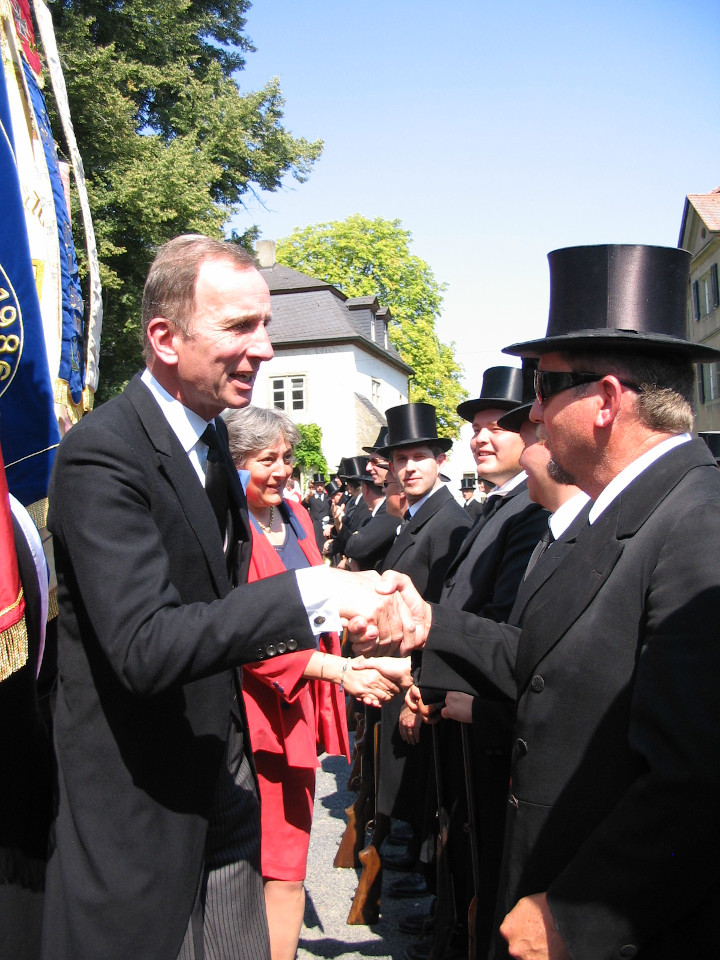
318	505
471	506
356	513
484	577
611	849
367	547
436	525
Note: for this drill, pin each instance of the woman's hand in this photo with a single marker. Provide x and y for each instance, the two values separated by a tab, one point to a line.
367	684
396	669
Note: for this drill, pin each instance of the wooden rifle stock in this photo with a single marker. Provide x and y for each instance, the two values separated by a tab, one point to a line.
365	907
353	840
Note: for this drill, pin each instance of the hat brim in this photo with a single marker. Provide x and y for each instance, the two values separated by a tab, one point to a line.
444	443
514	419
614	340
469	408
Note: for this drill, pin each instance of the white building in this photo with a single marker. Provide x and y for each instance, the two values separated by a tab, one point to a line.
334	364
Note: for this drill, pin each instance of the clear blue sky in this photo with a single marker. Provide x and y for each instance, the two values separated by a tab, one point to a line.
495	132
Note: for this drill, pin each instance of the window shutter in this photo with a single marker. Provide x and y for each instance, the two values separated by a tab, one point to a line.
701	382
715	287
696	299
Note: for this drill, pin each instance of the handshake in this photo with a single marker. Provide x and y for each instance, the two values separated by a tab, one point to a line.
385	615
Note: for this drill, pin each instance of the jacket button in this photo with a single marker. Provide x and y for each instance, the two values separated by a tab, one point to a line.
281	648
521	745
628	950
259	653
319	620
292	645
271	651
537	683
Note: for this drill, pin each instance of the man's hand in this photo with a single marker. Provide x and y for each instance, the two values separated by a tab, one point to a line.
458	706
418	614
409	725
376	622
396	669
530	931
428	712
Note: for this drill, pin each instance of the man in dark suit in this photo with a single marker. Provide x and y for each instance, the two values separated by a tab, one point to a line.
436	525
157	829
614	670
318	505
467	492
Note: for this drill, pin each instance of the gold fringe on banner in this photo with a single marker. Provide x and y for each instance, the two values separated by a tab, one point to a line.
88	399
38	512
62	395
53	609
13	643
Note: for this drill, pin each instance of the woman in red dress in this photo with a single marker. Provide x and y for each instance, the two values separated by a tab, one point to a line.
295	703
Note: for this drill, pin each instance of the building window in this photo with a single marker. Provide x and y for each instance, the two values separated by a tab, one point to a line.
375	394
288	393
710	383
706	293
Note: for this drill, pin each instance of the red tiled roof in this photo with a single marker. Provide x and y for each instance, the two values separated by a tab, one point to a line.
708	207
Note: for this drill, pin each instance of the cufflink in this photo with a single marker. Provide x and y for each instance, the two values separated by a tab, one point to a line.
319	620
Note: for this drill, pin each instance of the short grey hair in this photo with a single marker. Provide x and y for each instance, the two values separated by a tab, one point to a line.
254	428
668	384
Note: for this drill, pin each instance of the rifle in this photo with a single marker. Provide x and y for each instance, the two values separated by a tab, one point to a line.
361	812
445	917
355	778
365	907
468	764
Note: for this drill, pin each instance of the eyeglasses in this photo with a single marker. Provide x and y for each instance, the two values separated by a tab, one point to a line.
549	382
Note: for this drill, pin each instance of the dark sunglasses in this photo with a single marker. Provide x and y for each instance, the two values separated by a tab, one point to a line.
549	382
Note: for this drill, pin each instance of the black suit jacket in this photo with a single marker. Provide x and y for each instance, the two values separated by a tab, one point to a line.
618	720
425	547
149	631
369	545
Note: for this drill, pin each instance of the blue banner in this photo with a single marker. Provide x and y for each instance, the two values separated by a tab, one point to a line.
28	429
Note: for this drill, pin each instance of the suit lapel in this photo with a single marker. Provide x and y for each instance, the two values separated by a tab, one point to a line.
406	538
175	465
474	531
583	570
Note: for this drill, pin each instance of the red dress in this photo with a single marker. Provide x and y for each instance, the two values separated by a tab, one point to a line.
290	721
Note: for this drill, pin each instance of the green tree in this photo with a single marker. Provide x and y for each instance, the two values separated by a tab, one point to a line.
169	143
308	450
372	257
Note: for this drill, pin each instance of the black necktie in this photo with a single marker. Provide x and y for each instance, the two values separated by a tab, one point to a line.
491	505
547	539
227	498
216	480
408	516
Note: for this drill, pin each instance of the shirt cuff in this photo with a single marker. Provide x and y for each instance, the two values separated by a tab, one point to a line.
316	595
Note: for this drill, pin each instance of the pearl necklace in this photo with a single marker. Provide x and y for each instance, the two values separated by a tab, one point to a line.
268	528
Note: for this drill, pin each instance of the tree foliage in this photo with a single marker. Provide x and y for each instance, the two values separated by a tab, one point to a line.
308	450
365	257
169	143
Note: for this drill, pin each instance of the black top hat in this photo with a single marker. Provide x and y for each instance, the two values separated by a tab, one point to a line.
467	483
501	389
410	424
712	439
318	478
617	296
380	441
516	417
352	468
333	488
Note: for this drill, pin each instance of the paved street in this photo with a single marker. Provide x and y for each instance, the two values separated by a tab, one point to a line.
330	891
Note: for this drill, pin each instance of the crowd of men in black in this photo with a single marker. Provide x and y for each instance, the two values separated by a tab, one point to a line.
551	770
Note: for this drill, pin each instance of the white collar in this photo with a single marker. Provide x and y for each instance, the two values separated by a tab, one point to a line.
509	485
632	471
187	425
566	513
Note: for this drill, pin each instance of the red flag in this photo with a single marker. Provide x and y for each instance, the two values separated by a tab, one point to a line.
13	631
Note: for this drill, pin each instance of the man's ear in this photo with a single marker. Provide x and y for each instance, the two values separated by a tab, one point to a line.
162	336
440	458
610	392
